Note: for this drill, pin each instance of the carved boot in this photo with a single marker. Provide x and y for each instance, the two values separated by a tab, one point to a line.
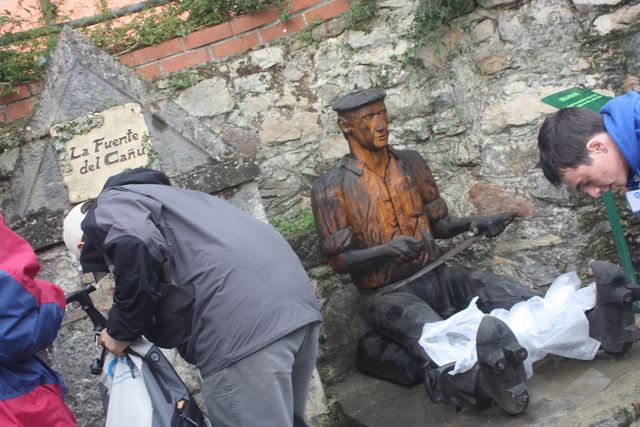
498	377
379	356
612	321
501	377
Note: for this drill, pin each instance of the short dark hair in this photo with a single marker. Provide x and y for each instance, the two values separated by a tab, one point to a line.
562	140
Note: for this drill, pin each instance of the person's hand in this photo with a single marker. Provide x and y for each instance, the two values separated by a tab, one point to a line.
404	248
115	346
490	226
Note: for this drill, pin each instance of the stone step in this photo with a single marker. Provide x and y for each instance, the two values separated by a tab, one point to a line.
564	392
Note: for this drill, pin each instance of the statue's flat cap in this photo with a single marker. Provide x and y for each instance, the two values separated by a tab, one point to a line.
357	99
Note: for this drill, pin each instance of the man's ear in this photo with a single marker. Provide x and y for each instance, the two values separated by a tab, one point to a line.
597	145
344	125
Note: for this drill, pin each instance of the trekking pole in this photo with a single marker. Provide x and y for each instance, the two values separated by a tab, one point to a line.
99	322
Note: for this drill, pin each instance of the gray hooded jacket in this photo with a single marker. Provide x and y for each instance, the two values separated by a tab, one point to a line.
250	287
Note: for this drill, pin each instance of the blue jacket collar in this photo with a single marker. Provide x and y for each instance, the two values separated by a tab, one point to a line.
621	118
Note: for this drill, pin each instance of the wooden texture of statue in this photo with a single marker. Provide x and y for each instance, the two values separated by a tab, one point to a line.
377	214
372	211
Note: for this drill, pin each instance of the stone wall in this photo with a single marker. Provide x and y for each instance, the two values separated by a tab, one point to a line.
208	45
469	104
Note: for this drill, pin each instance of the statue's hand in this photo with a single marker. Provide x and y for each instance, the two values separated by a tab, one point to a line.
490	226
404	248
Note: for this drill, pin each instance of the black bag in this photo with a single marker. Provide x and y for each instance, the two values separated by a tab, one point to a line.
168	390
382	357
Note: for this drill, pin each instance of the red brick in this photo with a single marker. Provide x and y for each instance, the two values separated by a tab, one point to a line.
148	71
19	109
21	93
208	36
335	8
255	20
153	53
280	30
127	59
297	5
186	60
239	44
35	87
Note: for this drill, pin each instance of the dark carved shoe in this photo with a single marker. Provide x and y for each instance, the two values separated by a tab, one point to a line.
501	375
612	321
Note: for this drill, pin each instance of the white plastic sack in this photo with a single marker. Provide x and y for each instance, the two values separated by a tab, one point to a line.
454	339
554	324
129	401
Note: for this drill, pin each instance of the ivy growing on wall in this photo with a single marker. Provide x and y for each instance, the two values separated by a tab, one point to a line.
298	220
432	14
24	54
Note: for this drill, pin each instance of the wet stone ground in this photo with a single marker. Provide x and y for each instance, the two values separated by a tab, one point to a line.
602	392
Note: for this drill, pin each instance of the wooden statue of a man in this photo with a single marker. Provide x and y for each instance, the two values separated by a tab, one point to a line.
373	214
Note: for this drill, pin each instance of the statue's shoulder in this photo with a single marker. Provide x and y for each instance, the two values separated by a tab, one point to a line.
410	156
331	179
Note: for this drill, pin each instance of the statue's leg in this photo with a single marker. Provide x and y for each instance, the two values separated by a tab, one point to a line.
612	321
391	350
378	355
499	376
400	317
492	290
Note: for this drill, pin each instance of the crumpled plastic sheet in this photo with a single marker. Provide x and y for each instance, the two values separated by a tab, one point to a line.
555	324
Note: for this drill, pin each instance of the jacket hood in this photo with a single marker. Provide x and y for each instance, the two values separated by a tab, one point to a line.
91	258
621	118
137	176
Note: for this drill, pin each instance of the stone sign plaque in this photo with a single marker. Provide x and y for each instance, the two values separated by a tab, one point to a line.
96	146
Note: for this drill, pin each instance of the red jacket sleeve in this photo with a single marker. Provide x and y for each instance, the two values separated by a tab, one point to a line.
32	309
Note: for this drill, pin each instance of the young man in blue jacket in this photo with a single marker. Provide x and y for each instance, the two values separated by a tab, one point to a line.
593	152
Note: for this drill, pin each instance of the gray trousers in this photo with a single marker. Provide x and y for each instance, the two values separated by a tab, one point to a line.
268	387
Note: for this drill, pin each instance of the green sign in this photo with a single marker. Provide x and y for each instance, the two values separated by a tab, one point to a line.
577	97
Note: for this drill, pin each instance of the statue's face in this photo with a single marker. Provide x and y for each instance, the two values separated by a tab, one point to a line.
369	126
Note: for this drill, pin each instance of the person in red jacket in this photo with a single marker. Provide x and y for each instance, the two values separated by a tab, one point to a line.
31	392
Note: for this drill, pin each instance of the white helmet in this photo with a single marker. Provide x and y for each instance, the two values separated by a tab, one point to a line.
71	230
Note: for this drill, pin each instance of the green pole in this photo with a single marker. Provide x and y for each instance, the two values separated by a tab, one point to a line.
618	235
618	238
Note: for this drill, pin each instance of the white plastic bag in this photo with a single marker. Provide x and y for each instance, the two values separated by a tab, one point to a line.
453	339
554	324
129	402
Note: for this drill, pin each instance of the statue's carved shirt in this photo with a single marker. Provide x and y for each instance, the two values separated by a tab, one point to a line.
355	208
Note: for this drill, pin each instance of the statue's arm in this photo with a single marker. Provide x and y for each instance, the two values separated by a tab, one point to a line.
447	227
331	215
490	226
444	226
399	249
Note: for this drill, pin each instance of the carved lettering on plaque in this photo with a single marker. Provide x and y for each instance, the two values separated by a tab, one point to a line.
94	147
